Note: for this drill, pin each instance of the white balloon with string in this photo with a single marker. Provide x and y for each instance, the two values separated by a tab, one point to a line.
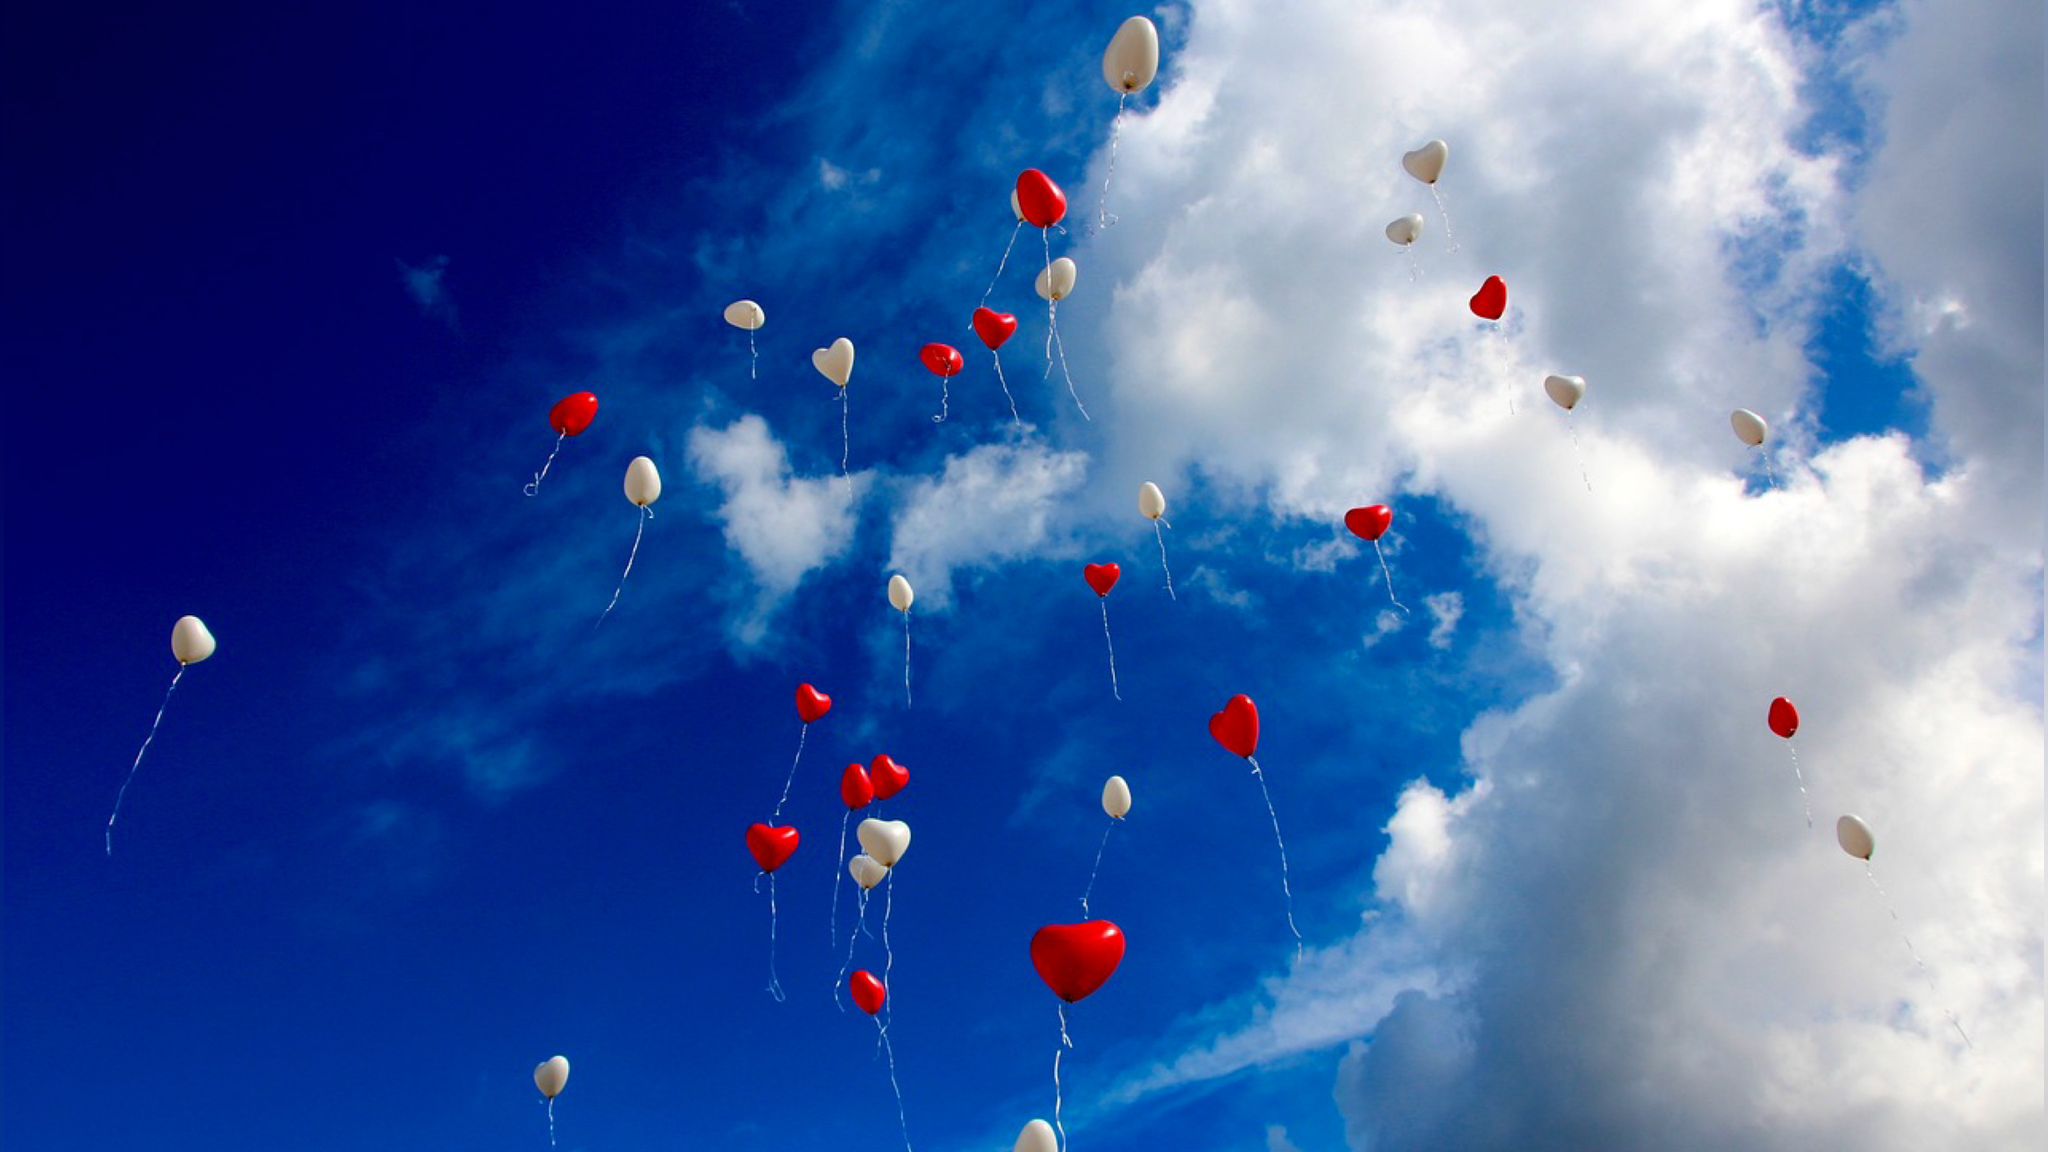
901	596
835	363
1152	506
1129	65
1857	840
1566	392
748	316
1752	430
1403	232
551	1077
1427	165
1055	284
643	488
191	643
1116	804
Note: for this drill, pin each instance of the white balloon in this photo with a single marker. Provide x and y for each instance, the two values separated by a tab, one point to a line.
1016	207
745	314
1133	56
1855	838
1151	501
885	840
1565	391
1407	230
1116	798
1037	1136
835	363
900	593
1749	427
190	641
643	482
1056	280
867	871
1427	162
552	1076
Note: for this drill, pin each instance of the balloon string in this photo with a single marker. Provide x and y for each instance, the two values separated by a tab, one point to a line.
1574	428
1000	379
888	950
1066	1042
1061	345
1111	644
803	734
840	878
1051	304
1005	262
1497	351
1102	217
1804	801
1871	871
533	485
1384	571
648	514
906	659
852	938
1769	471
1092	872
753	357
1285	889
890	1049
945	403
1414	265
1162	559
774	982
551	1121
1445	210
845	441
135	767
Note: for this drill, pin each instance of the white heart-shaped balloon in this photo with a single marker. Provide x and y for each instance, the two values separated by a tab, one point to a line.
835	363
1407	230
1427	162
1116	798
643	482
885	840
1056	280
1037	1136
745	314
867	871
552	1076
1749	427
1565	391
190	641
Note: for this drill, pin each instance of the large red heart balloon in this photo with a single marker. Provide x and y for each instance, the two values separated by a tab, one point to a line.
811	704
1076	959
868	992
942	359
1491	300
1369	523
1102	577
889	776
1784	717
995	328
856	788
772	847
572	414
1237	727
1039	199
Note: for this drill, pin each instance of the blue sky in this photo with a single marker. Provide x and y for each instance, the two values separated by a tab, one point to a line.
289	297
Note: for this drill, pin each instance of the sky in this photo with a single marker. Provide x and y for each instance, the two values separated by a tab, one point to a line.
288	297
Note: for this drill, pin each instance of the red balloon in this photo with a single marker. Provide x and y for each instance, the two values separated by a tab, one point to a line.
942	359
811	704
889	776
1491	300
1102	577
1784	717
572	414
868	992
1040	200
1237	727
1076	959
856	788
772	847
995	328
1369	523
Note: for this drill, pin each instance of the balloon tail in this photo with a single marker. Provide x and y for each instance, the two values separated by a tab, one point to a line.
753	357
646	515
774	982
1061	346
1051	305
551	1121
840	873
803	734
852	938
135	767
1804	801
1870	871
1574	428
1414	265
1000	265
1092	872
1066	1042
1445	211
1000	379
533	485
906	659
1770	473
1103	219
1111	645
945	399
1161	536
845	442
890	1050
1285	889
888	909
1386	572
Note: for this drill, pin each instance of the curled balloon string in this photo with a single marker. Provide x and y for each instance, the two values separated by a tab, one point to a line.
135	767
890	1050
1103	219
1092	872
1804	801
1162	556
803	733
1285	890
945	402
774	982
1870	871
1000	379
551	1121
630	556
1061	345
1446	213
1066	1042
533	485
1581	456
906	659
1384	571
1004	263
1111	644
840	878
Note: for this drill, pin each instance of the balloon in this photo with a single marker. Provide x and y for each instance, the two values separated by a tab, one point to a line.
1037	1136
1116	798
1491	300
994	328
1132	59
868	992
1565	391
811	704
856	788
900	594
643	482
1237	727
1749	427
1056	280
867	871
1855	838
1016	208
1427	162
190	641
745	314
889	776
571	415
1102	577
1783	718
1151	501
1369	523
1406	230
552	1076
835	363
772	847
1076	959
942	359
1040	201
885	840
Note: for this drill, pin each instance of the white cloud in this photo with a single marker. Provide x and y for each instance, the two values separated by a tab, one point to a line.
992	504
1445	610
1277	1141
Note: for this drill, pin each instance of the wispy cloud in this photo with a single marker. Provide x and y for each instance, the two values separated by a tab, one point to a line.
427	285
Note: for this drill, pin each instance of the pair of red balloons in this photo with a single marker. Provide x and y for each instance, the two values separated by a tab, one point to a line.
883	778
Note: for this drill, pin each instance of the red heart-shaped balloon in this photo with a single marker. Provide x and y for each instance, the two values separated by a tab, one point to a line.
1039	199
1237	727
868	992
1491	300
811	704
1369	523
1076	959
889	776
995	328
942	359
1784	717
572	414
1102	577
772	847
856	788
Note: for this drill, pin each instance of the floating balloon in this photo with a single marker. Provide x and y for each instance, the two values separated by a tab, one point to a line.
1751	430
1055	284
1369	524
884	840
1491	301
836	364
1040	201
1404	231
1074	960
551	1077
900	598
772	847
868	992
811	707
943	361
1857	840
1427	165
1037	1136
747	315
995	330
1784	721
643	488
1103	577
867	871
1236	728
191	643
1152	506
1128	65
1116	803
1566	392
1043	206
571	416
889	776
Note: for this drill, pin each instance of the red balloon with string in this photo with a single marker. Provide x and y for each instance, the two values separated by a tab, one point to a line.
571	416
